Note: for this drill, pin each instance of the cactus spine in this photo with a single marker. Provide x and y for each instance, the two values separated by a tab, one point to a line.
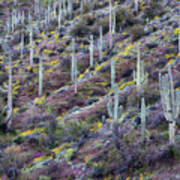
91	51
110	24
139	76
143	119
170	102
40	78
74	67
113	74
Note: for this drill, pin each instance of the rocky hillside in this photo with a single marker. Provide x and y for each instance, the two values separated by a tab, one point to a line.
89	90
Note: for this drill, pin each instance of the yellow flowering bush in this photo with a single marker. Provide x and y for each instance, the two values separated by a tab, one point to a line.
40	100
96	126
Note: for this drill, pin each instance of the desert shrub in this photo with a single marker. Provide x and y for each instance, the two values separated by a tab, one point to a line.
125	18
104	22
73	130
121	1
153	9
83	27
137	32
80	30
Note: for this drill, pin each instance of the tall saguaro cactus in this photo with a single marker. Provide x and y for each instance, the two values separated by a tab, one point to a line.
136	5
110	24
9	115
22	46
113	74
114	110
139	75
8	90
179	38
74	67
170	102
143	119
91	51
114	21
40	77
31	46
70	7
100	45
81	7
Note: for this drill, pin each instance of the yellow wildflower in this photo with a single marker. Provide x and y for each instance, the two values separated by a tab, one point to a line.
96	126
32	131
40	100
15	110
176	31
60	148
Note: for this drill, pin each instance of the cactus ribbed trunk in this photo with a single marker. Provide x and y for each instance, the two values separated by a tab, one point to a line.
31	47
110	24
22	46
40	78
91	51
9	113
100	43
116	103
143	119
113	74
179	38
170	102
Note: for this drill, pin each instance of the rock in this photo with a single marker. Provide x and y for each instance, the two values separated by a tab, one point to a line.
13	173
60	50
152	45
36	60
52	54
127	73
161	63
91	101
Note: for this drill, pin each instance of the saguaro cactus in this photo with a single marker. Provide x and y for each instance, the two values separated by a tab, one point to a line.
49	13
8	90
114	21
114	110
179	38
143	119
40	77
74	67
110	24
31	46
81	7
9	24
139	76
100	43
70	7
113	74
170	102
22	46
91	51
136	5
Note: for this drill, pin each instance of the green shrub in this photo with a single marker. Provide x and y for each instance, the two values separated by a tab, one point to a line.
137	32
125	18
153	9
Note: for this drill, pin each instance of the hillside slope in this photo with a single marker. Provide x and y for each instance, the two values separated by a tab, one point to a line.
63	135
